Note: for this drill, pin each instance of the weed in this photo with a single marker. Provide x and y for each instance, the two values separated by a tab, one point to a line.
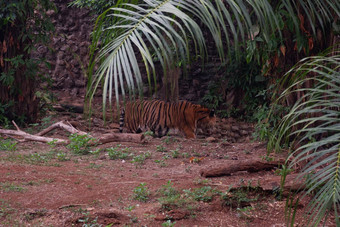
168	189
62	157
149	133
87	222
53	144
238	198
168	223
141	193
140	159
80	144
168	140
204	194
161	163
185	155
94	166
10	187
130	208
116	153
5	208
199	181
7	145
161	148
175	153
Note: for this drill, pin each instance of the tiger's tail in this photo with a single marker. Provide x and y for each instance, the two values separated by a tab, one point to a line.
121	120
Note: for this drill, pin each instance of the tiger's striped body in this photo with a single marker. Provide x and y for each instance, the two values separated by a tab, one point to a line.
159	116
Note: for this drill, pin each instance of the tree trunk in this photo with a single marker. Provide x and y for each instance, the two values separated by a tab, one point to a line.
17	85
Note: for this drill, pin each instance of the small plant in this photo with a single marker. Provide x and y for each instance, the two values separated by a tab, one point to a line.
7	145
175	153
141	193
62	157
149	133
5	208
204	194
140	159
80	144
130	208
168	223
168	140
10	187
94	166
238	198
161	162
185	155
87	222
168	189
161	148
116	153
53	144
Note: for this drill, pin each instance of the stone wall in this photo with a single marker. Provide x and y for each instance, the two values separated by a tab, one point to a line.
68	50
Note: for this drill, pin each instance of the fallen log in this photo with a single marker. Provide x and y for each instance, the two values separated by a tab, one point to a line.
62	125
106	138
28	137
253	165
121	137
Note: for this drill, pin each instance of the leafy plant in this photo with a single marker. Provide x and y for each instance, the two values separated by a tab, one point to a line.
80	144
313	123
204	193
161	148
118	153
62	157
141	193
168	223
140	159
7	145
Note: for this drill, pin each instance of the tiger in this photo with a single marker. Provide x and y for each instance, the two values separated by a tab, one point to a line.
160	116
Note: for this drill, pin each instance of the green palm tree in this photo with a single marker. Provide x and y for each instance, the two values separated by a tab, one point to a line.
168	30
314	123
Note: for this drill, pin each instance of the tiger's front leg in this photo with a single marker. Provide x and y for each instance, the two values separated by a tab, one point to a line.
189	132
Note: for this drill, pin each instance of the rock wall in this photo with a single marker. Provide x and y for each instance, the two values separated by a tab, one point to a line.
68	50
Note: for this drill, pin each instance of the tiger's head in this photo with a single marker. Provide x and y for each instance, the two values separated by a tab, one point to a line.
206	119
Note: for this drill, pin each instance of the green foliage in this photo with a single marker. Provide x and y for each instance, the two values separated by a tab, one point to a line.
267	119
88	221
23	24
80	144
119	153
140	159
161	148
11	187
141	193
7	145
62	157
204	193
237	198
313	123
168	223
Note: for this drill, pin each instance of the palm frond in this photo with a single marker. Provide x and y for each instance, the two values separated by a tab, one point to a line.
314	122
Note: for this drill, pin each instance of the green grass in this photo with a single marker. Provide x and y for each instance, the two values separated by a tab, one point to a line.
141	193
7	145
11	187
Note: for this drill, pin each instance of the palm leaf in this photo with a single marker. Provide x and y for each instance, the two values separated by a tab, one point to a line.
314	122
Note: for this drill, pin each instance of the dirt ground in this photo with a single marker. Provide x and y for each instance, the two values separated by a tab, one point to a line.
155	183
